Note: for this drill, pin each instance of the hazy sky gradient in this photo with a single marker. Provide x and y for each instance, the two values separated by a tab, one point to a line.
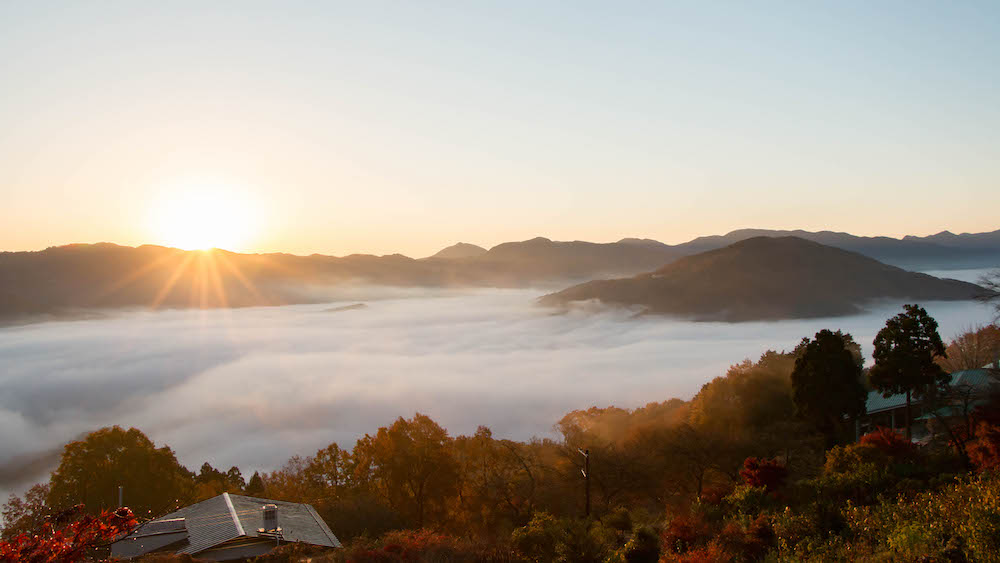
406	126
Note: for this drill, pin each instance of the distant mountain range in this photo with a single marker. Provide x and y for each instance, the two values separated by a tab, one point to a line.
943	251
87	276
767	278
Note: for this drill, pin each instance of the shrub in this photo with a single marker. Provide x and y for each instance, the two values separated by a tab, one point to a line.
68	536
685	532
539	538
959	522
984	452
411	545
713	553
747	499
845	459
792	529
581	543
767	473
890	443
746	544
642	547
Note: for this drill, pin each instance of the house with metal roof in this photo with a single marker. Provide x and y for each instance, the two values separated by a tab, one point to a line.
227	527
967	390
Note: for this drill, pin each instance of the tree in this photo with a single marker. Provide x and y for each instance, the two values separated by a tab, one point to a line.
411	466
496	484
330	470
991	283
234	479
973	349
905	353
92	469
748	399
826	384
23	515
210	482
255	487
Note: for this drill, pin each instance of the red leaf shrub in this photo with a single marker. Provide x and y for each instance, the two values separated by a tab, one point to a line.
748	544
713	494
889	442
984	453
408	545
713	553
767	473
66	537
685	532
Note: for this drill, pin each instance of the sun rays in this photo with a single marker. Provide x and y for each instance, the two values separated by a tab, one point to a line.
201	279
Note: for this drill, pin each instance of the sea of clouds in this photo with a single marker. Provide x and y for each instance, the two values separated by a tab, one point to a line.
251	387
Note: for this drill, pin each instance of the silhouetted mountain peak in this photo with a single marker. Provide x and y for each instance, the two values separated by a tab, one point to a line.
460	250
643	242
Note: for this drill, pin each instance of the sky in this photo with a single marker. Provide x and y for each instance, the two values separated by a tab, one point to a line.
383	127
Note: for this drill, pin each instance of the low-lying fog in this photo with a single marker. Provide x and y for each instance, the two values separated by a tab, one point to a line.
252	387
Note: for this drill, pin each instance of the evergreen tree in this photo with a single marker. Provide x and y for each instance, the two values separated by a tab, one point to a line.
905	352
826	384
255	487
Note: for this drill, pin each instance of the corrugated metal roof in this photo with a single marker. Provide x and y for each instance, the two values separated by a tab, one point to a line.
151	536
161	527
969	377
226	517
209	523
298	522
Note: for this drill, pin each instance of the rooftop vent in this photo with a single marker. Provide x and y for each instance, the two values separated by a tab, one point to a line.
270	513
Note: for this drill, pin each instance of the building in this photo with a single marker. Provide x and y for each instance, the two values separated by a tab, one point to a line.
227	527
967	390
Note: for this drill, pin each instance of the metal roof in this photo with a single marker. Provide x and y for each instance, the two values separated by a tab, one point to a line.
298	522
226	517
966	378
152	536
164	526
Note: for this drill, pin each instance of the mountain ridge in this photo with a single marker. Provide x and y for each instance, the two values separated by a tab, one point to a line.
766	278
107	275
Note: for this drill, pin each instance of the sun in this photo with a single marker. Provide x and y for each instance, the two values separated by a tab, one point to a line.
203	216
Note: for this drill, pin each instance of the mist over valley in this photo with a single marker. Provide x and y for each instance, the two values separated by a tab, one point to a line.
253	386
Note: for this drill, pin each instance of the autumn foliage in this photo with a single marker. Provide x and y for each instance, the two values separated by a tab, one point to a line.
409	545
890	443
767	473
67	536
984	453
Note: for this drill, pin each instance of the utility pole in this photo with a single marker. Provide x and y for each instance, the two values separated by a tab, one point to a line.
586	479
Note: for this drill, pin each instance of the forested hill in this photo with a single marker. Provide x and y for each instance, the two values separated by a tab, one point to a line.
767	278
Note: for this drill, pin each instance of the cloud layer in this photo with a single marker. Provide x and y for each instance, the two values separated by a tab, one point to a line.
251	387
